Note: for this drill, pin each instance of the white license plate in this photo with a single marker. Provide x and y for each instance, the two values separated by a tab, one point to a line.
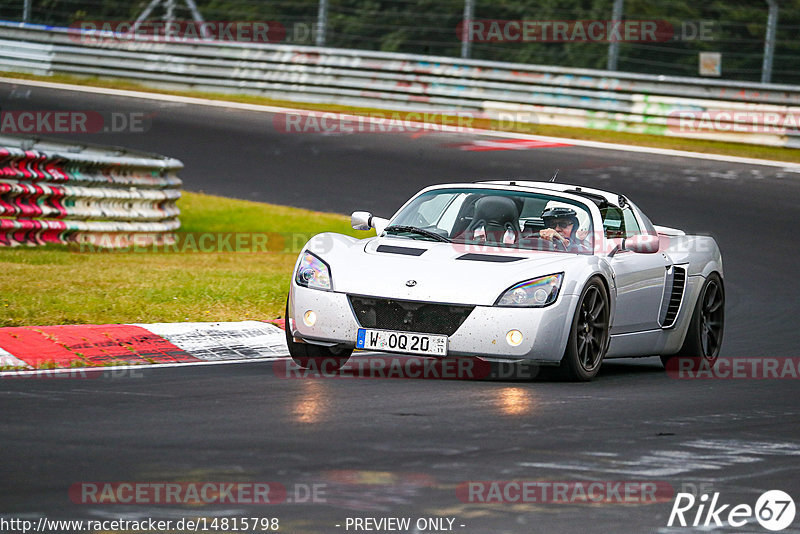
408	342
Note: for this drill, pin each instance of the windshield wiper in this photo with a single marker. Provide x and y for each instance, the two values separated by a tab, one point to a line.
419	231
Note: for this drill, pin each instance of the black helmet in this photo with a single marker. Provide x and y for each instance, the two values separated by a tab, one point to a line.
560	212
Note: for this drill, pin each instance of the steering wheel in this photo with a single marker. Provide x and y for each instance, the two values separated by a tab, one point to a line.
561	242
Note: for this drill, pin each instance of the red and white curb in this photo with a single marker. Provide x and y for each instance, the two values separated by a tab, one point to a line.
60	347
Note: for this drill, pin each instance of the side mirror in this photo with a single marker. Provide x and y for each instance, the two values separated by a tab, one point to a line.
361	220
643	244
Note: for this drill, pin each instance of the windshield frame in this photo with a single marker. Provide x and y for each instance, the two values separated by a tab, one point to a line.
598	239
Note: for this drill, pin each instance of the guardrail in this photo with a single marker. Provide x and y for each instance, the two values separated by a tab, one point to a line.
54	192
765	114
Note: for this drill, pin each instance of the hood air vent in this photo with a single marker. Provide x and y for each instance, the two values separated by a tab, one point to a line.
406	251
489	257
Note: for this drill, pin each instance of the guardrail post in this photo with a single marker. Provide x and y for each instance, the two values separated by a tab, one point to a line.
613	47
170	14
466	44
322	22
769	42
144	14
26	11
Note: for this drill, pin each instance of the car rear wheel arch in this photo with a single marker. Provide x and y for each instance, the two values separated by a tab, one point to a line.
692	343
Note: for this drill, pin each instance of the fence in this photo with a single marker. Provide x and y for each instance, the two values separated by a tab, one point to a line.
58	193
745	34
749	112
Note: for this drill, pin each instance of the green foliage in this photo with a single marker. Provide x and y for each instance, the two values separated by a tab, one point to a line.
69	285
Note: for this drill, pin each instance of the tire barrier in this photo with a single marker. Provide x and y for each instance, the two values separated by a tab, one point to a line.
54	192
765	114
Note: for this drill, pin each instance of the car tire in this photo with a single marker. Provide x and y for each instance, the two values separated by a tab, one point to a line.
314	357
704	336
588	335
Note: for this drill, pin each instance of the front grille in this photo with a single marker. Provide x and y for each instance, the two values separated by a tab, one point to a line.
409	316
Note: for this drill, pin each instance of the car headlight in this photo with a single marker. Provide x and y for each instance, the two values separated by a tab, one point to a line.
532	293
313	273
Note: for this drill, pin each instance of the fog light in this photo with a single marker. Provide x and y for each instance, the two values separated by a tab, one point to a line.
309	318
514	338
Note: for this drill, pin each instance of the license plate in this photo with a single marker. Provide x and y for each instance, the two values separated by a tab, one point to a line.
408	342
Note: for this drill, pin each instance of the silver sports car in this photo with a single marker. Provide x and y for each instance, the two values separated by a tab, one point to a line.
509	271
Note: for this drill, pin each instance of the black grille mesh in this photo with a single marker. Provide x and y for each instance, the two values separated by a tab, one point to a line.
678	284
409	316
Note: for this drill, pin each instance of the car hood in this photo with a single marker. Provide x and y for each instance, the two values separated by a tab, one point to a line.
411	269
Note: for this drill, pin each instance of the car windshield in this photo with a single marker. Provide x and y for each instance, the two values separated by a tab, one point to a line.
511	219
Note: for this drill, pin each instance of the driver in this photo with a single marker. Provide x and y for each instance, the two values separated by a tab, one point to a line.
561	229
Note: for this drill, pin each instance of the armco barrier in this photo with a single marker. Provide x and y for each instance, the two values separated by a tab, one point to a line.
715	109
54	192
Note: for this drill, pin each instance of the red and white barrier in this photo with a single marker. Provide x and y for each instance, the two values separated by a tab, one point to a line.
48	347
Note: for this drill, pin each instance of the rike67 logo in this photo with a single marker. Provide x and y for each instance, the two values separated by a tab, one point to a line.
774	510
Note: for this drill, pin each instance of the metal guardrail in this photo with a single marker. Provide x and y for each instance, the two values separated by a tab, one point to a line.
54	192
712	109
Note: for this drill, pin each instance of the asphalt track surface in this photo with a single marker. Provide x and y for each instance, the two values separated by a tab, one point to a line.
400	448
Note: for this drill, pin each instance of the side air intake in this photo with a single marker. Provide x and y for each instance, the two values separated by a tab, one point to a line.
674	293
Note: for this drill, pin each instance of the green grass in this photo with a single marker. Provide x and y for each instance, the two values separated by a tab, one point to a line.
692	145
61	285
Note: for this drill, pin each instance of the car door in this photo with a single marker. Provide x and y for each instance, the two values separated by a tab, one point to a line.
639	278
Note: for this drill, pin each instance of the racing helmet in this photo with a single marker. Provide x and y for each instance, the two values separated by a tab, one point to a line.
561	212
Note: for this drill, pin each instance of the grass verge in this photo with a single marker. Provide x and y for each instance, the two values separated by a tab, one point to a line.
61	285
789	155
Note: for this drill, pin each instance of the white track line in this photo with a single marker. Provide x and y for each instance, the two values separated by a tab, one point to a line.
274	109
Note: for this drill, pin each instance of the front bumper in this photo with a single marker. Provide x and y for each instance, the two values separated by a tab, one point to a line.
483	333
